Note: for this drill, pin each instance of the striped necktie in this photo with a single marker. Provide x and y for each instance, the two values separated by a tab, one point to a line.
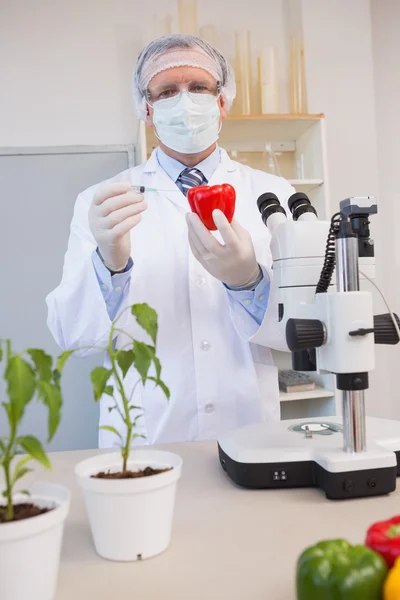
189	178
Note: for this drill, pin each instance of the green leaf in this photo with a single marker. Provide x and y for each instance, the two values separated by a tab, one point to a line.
21	385
62	359
99	377
155	360
112	429
110	408
147	319
7	408
143	358
34	448
164	388
43	363
157	365
1	351
2	446
162	385
22	462
138	435
109	390
19	474
50	394
125	360
25	492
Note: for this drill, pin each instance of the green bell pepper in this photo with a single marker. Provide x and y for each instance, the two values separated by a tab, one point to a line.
335	570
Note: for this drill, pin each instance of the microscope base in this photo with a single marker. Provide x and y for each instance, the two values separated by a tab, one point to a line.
286	454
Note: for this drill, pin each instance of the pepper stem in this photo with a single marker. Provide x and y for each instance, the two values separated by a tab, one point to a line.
393	531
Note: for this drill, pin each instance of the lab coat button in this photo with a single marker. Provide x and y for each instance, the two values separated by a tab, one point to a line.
200	281
117	289
247	301
209	408
104	287
261	298
205	346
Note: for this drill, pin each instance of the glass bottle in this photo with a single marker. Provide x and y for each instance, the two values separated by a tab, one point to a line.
271	164
268	80
244	86
297	74
297	81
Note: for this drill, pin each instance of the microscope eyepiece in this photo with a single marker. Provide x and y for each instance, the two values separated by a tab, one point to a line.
299	204
268	204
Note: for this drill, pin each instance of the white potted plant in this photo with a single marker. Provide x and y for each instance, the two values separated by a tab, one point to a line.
31	522
130	495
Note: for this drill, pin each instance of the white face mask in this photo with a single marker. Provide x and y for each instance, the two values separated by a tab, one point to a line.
187	126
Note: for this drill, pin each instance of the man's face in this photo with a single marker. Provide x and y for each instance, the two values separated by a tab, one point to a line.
162	84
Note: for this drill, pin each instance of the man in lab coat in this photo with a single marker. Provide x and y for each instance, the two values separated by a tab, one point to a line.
211	292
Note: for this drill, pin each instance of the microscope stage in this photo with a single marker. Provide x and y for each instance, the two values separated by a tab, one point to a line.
309	453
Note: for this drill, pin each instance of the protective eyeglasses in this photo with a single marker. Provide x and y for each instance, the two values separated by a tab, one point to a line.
173	92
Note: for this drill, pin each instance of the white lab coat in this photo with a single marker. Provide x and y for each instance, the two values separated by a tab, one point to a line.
218	380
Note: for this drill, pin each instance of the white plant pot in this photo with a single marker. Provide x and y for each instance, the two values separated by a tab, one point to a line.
130	519
30	548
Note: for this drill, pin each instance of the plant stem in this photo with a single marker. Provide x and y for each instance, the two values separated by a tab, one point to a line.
8	456
133	389
119	411
8	490
124	333
119	316
125	450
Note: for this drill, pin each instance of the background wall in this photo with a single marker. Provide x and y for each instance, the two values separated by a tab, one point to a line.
385	16
66	81
68	77
34	230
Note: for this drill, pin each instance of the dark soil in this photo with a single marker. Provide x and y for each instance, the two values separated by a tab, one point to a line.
147	472
25	510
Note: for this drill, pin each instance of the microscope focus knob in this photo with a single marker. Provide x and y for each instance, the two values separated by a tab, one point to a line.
384	329
302	334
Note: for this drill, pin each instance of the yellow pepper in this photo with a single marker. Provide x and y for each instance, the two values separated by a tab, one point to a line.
391	588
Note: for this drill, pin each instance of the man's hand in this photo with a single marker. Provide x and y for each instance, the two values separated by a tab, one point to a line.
115	210
234	263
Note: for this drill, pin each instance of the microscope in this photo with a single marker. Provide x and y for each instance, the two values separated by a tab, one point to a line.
329	326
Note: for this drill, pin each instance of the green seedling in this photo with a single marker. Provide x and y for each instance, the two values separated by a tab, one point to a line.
142	357
28	375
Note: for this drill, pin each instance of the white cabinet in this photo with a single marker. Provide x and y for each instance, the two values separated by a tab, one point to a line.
299	151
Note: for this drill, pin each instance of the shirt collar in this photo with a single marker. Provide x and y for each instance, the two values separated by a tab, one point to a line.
174	168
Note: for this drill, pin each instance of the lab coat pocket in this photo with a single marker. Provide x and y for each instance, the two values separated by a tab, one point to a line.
267	377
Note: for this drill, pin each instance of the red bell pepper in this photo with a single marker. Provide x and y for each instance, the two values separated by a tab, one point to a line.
203	199
384	538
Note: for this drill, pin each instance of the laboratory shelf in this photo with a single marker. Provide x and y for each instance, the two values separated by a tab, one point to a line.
274	116
319	392
306	185
268	127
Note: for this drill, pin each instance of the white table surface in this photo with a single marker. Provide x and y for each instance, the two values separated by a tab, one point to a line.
228	543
